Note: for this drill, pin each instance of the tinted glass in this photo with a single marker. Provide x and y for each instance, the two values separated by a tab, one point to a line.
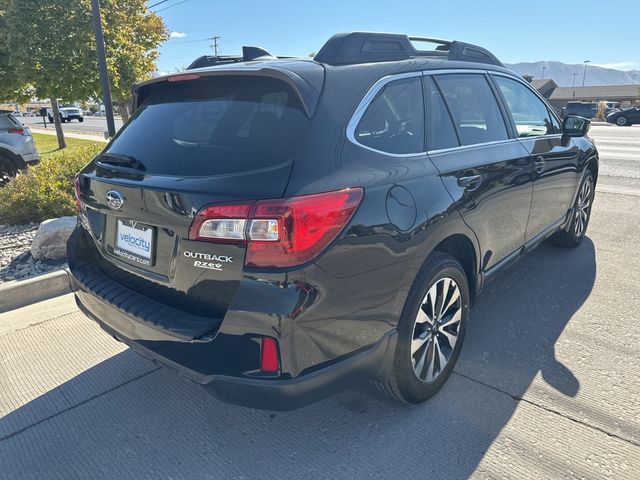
530	114
440	130
213	126
394	120
6	122
473	107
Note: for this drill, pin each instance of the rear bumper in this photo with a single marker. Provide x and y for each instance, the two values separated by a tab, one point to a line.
31	158
269	394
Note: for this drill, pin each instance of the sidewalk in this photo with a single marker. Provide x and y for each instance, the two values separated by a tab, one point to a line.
96	137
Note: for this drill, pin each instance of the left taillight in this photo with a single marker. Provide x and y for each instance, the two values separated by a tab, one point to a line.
18	131
282	232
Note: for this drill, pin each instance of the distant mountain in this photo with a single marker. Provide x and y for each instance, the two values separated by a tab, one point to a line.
562	73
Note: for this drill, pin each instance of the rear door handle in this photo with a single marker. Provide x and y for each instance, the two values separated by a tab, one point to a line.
538	164
470	183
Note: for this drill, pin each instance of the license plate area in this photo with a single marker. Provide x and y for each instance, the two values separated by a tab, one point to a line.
134	242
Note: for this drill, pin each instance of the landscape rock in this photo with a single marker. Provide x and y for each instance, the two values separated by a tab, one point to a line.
50	241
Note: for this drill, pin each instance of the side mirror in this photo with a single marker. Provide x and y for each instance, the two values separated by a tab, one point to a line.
574	126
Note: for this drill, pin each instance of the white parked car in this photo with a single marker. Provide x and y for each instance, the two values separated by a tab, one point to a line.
67	113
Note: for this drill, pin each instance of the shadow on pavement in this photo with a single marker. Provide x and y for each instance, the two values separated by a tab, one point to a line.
159	426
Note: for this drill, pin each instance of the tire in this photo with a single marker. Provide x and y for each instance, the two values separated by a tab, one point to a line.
50	119
577	229
7	171
417	376
622	121
81	119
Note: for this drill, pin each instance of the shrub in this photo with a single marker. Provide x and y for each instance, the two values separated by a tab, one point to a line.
45	190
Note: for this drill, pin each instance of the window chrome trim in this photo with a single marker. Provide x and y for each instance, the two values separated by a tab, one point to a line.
364	104
382	82
475	145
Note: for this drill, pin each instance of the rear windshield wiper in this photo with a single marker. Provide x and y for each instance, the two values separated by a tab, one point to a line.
121	160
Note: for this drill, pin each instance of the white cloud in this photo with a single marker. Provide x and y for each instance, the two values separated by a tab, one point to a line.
177	35
619	65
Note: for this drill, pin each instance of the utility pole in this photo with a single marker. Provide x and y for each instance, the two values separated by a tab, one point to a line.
634	79
584	75
543	69
215	45
573	84
102	63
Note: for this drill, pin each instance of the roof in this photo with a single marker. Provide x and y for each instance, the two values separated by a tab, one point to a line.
543	84
600	92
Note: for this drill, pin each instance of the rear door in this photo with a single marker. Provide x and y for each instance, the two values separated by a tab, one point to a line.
554	158
214	140
487	172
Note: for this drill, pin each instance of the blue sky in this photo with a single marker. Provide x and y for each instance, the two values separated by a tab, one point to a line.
564	30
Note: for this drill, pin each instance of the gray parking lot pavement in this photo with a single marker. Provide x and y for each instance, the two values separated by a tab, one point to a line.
547	387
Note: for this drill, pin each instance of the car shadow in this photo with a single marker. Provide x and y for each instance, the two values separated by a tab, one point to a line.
126	417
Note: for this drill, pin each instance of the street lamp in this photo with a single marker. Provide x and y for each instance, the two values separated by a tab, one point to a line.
543	69
584	75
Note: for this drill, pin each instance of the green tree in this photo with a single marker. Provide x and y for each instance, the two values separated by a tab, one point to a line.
11	90
132	37
51	47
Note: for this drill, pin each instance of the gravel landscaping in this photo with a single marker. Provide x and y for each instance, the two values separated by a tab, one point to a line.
16	262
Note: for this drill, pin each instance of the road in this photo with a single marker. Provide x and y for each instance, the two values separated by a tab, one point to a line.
547	386
92	125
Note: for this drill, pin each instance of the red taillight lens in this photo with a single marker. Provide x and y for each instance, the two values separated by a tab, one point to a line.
279	233
306	226
269	361
18	131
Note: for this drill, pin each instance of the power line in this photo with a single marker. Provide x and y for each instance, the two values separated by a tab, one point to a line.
157	3
174	5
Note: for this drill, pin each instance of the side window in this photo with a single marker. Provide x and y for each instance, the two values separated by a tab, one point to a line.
530	114
473	107
394	120
441	133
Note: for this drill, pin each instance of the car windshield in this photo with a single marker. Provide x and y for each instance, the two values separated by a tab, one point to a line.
215	125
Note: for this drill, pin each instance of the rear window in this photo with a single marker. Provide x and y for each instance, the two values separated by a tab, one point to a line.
8	121
213	126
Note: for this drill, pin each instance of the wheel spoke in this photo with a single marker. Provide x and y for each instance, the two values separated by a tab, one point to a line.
432	360
455	295
451	338
442	360
442	297
455	318
416	343
422	317
419	366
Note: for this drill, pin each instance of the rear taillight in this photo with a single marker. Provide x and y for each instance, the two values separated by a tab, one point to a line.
279	233
18	131
269	361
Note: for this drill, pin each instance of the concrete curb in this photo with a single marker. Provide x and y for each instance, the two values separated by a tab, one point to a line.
20	293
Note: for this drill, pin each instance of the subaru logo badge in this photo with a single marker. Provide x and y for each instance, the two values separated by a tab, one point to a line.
115	199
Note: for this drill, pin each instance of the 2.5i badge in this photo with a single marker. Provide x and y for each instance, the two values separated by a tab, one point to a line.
207	260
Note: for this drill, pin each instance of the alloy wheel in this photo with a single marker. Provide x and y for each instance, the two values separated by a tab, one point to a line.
621	121
6	173
583	207
436	329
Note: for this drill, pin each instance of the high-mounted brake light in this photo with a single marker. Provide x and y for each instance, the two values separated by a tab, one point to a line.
183	78
282	232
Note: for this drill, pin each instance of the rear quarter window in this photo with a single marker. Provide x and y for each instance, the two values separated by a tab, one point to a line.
215	125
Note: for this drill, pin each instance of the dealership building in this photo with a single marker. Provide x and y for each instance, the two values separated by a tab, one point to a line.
558	97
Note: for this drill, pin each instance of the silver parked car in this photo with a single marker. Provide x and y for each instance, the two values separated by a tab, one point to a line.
17	148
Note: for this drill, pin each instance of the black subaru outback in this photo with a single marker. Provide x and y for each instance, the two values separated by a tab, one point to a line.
277	228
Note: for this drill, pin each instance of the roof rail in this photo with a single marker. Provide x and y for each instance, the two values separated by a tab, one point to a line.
366	47
248	54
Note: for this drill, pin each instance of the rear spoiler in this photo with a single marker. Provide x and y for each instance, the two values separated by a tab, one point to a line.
306	81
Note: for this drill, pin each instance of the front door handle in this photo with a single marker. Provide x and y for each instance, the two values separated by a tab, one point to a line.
470	183
538	164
